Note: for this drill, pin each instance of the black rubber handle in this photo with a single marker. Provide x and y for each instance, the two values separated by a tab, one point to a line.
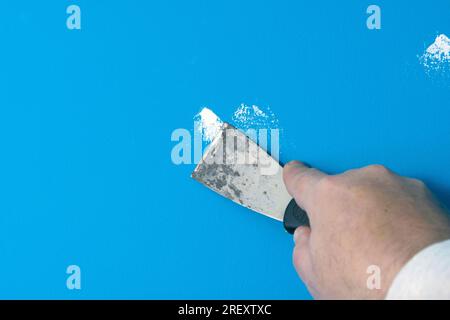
294	217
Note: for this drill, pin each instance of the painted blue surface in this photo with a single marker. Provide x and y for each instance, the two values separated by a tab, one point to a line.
86	116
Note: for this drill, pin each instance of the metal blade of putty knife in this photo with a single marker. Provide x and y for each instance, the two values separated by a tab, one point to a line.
237	168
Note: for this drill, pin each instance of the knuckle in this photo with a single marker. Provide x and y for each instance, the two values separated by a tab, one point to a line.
377	168
418	183
351	172
328	182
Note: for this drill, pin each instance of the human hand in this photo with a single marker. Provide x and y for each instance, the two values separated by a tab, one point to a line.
363	217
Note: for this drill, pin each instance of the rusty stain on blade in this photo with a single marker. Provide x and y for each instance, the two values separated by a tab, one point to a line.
238	169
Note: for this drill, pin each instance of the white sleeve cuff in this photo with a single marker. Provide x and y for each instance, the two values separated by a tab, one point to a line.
425	276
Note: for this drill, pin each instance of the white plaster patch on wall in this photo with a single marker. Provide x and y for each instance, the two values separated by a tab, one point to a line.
260	125
437	56
253	117
208	123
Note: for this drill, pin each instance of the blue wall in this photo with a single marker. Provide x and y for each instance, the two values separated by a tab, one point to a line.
86	116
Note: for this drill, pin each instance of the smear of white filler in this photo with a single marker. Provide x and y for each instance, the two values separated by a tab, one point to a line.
253	117
208	123
437	55
245	117
250	120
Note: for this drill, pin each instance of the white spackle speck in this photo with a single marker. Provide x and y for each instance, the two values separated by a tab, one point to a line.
208	123
437	56
253	117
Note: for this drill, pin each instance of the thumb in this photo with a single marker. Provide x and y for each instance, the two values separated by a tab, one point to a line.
302	256
300	181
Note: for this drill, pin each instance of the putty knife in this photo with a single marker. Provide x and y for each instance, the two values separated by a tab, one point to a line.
235	167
